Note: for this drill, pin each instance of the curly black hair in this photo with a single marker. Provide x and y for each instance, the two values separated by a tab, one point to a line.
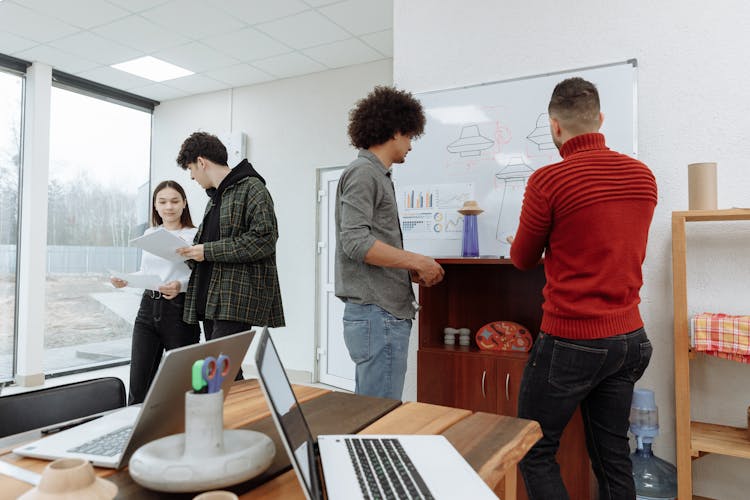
385	112
201	144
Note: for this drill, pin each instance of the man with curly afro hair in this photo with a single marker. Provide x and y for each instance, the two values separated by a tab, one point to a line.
373	271
234	284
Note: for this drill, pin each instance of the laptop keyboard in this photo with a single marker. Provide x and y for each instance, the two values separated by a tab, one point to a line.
107	445
384	470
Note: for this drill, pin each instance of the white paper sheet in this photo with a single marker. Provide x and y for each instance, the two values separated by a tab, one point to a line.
162	243
138	280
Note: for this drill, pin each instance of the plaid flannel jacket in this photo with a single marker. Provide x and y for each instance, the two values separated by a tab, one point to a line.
244	284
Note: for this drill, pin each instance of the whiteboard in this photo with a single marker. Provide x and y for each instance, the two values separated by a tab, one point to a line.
483	142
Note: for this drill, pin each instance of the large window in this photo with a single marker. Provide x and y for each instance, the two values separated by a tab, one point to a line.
11	105
98	201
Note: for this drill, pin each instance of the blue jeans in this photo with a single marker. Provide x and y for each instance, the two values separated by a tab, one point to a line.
599	375
378	343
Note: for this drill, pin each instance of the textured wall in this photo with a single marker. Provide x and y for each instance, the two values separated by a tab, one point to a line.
693	88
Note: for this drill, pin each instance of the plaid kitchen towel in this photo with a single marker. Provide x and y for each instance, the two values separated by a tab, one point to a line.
722	335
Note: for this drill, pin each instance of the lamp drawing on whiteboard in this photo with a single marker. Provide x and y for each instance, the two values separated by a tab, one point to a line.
511	181
471	142
541	135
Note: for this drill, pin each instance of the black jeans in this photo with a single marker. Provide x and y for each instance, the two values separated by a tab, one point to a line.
158	327
218	328
599	375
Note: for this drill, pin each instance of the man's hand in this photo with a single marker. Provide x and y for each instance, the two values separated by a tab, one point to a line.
509	239
428	272
194	252
170	290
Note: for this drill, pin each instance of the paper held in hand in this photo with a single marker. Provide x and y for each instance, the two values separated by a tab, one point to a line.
162	243
138	280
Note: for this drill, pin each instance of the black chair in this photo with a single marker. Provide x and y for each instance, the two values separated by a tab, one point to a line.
31	410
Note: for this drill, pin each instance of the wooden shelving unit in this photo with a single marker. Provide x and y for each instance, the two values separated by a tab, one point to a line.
695	439
473	293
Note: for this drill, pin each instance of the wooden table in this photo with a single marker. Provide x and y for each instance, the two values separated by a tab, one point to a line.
492	444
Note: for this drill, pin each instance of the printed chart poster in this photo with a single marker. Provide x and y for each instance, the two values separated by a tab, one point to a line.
430	211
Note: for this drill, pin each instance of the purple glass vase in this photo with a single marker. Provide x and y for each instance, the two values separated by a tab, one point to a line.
470	243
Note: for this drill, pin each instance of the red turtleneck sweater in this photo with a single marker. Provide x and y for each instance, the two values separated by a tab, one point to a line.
590	214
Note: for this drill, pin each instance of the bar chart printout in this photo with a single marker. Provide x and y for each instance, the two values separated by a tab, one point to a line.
430	211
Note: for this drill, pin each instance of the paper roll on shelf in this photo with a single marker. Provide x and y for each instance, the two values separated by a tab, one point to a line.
702	186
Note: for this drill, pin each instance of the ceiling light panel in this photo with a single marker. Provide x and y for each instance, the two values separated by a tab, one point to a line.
153	69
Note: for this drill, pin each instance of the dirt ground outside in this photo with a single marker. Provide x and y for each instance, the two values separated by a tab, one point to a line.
73	317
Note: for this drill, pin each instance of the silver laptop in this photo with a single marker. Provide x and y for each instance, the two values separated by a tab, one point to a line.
109	441
362	466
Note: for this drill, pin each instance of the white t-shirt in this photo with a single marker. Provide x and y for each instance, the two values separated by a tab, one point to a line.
165	269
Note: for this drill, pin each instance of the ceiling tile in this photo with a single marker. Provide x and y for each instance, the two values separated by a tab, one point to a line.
361	16
192	18
196	57
114	78
9	44
57	59
96	48
382	42
343	53
196	84
304	30
289	65
240	75
260	11
159	92
138	5
248	44
81	13
32	25
140	34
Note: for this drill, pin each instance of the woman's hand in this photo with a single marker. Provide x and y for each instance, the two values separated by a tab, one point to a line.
170	290
118	283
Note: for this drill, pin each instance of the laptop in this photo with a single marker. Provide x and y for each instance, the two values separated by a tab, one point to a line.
109	441
362	466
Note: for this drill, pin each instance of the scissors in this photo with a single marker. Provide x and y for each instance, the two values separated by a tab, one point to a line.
214	370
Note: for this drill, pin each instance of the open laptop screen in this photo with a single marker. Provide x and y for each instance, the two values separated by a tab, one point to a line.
288	414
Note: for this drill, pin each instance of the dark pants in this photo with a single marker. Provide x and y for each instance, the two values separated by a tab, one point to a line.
599	375
218	328
158	327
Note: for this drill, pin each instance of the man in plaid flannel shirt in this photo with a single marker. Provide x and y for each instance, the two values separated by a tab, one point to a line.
234	284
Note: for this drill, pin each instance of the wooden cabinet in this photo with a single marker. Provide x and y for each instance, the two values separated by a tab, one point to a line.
695	439
476	292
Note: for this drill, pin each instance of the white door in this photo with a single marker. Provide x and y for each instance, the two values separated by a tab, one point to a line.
335	367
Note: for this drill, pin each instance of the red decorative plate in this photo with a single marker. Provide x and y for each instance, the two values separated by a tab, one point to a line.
504	336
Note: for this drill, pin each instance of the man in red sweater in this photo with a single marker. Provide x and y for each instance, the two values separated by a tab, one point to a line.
590	215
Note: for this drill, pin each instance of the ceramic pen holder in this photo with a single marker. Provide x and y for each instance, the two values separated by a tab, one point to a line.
206	456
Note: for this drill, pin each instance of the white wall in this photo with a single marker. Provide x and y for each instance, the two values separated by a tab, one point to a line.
692	86
293	126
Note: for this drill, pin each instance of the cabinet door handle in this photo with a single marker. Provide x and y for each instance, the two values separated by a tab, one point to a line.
484	375
507	383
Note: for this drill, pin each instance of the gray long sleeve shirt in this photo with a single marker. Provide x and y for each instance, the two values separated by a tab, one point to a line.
366	211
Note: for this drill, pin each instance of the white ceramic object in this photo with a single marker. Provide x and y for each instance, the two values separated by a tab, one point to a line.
206	456
450	335
71	479
216	495
464	336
